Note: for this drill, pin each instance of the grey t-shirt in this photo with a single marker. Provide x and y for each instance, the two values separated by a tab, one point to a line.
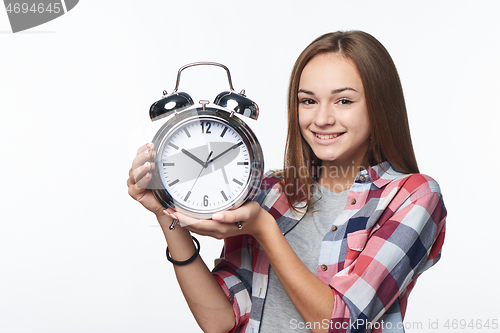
305	239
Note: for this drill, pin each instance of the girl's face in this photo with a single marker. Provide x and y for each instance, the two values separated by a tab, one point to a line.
333	117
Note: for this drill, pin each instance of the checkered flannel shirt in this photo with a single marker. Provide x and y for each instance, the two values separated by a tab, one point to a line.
391	230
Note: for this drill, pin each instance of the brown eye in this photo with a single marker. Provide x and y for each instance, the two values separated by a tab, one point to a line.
307	101
344	101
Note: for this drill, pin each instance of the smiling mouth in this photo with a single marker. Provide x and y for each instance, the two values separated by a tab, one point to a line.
327	136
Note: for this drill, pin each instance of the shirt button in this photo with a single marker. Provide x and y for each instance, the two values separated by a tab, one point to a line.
324	267
362	178
334	229
353	201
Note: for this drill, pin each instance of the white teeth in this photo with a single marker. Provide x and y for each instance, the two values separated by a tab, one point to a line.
327	136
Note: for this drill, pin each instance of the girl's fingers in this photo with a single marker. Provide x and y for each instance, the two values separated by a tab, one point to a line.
203	227
183	219
222	224
143	176
140	174
144	154
243	213
170	212
213	229
145	147
141	171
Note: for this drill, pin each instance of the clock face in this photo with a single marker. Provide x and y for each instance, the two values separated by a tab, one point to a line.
205	165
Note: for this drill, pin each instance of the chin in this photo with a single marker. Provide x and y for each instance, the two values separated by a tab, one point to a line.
327	158
326	155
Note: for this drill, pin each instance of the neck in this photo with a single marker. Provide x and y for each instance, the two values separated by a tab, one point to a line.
338	177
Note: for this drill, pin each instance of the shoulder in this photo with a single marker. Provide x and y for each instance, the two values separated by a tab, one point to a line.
272	196
417	194
271	179
396	190
271	185
390	179
418	185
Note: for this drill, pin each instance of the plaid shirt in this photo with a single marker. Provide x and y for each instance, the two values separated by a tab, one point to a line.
391	230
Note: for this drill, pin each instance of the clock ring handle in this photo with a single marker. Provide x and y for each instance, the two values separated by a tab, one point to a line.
202	63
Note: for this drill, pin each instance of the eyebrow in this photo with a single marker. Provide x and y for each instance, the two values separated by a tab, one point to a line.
335	91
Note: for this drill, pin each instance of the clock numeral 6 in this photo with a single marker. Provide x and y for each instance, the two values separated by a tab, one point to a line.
205	200
205	127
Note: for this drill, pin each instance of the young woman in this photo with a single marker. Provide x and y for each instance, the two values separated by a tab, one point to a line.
335	241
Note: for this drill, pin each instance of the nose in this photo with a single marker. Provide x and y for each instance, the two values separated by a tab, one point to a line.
325	116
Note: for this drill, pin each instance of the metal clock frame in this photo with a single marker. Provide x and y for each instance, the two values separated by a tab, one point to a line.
213	113
178	109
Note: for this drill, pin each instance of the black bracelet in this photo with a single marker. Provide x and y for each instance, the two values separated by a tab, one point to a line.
190	260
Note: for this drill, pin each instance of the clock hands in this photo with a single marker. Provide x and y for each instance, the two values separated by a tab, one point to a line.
207	162
224	175
226	151
204	164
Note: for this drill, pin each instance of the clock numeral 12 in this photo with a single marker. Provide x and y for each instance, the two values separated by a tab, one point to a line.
205	127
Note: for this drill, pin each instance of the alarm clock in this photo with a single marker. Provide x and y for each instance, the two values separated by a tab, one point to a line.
206	159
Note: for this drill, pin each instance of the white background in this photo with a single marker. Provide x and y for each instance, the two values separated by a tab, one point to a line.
77	254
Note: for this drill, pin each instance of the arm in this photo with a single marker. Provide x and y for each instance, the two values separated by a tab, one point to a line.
382	265
312	298
204	296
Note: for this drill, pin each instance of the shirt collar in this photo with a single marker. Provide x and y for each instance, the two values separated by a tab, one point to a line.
380	175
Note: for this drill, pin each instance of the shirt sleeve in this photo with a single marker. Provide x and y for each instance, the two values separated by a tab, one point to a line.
386	260
235	271
234	276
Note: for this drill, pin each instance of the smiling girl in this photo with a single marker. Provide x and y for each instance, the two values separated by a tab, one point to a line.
335	241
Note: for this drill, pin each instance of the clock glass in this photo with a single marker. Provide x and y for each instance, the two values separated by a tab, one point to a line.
205	165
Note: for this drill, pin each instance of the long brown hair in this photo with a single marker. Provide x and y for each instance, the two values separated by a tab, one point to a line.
390	133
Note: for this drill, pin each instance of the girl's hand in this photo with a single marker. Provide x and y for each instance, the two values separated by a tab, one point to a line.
139	178
251	215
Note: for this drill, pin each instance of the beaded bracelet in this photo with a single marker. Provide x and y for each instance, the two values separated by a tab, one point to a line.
185	262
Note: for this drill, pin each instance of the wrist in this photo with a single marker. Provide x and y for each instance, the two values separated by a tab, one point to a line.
187	261
265	226
165	223
159	213
179	240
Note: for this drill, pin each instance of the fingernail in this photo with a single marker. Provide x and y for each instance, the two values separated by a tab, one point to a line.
217	216
149	145
171	215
